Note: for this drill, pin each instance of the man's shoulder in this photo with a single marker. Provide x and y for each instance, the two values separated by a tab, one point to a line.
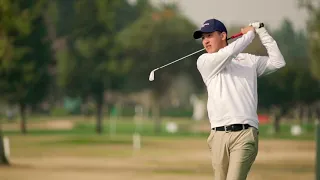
206	55
200	59
203	57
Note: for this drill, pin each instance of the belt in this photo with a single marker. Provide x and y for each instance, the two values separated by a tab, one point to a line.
232	127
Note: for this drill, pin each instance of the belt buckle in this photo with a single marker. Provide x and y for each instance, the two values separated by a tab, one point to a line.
226	130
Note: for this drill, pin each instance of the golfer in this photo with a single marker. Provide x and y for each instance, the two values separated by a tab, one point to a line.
230	77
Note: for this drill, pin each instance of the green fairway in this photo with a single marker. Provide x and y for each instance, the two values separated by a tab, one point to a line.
127	126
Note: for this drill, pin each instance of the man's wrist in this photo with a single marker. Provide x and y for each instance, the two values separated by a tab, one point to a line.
261	30
264	35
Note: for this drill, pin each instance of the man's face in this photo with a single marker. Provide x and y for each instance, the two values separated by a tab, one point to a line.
214	41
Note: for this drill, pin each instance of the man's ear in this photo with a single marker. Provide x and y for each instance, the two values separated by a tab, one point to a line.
223	36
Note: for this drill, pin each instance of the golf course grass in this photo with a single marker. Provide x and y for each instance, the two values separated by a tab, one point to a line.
77	152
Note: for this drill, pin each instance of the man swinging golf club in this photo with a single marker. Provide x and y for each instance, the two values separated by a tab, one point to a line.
230	77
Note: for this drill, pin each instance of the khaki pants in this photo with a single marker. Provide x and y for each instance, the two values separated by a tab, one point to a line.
233	153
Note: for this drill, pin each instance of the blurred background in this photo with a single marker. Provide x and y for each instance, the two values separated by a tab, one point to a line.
76	101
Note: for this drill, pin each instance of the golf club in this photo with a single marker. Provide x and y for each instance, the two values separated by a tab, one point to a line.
151	76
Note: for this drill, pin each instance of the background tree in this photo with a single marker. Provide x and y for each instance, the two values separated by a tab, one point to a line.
157	38
91	61
25	55
313	37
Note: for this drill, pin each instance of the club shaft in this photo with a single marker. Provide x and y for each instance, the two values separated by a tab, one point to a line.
181	58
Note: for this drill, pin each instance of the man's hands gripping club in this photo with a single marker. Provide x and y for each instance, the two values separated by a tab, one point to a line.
247	29
255	26
252	27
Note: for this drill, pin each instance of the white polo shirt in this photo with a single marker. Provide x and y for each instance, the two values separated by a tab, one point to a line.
231	79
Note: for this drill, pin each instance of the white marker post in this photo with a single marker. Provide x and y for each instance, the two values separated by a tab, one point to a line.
136	139
6	145
113	126
136	142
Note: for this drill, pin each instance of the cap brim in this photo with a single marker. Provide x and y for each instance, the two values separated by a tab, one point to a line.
197	34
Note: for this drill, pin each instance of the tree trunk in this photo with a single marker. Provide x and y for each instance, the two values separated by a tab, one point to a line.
276	120
99	124
306	114
85	110
277	123
22	108
299	114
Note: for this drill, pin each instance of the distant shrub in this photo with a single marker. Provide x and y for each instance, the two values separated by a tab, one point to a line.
168	112
59	112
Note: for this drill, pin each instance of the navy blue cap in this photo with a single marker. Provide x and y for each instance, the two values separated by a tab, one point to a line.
209	26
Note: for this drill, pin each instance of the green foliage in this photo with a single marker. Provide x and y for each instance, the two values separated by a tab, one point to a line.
91	62
293	45
313	27
157	38
25	54
288	87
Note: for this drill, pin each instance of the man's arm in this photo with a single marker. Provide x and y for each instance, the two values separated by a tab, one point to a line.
210	64
274	61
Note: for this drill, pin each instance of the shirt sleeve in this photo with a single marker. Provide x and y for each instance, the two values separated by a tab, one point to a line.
210	64
268	64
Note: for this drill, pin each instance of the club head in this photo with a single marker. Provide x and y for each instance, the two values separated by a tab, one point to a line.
151	76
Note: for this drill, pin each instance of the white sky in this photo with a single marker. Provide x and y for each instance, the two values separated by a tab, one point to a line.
271	12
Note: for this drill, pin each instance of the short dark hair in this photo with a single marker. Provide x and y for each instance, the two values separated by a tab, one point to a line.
226	35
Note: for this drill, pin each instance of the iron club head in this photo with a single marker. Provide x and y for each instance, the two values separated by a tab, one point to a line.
151	76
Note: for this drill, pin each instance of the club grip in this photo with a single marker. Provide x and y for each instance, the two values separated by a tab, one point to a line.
261	25
235	36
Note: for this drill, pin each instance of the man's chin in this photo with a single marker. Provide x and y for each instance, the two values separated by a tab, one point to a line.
210	50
